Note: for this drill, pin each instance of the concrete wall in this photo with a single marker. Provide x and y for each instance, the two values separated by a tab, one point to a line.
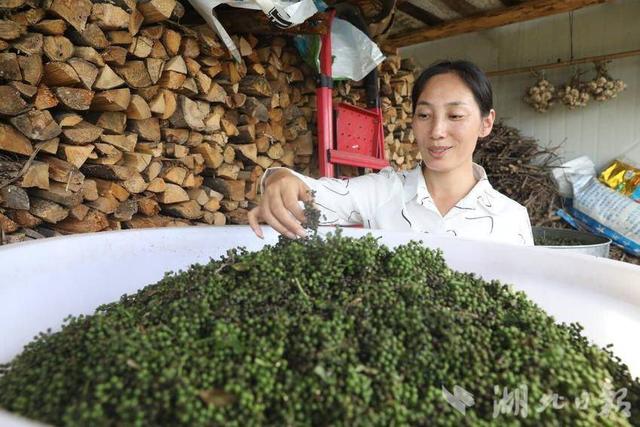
602	131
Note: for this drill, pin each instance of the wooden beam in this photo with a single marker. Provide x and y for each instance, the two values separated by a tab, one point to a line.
463	7
419	13
237	20
496	18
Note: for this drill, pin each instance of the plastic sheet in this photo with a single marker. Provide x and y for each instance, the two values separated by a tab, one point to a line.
354	54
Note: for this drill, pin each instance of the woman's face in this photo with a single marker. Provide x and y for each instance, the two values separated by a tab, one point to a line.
447	123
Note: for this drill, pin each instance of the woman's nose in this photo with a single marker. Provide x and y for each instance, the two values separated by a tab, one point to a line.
438	128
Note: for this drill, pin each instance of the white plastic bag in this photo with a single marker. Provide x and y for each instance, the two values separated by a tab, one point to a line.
354	53
579	167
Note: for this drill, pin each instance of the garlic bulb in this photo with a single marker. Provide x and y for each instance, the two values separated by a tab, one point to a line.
575	94
604	87
540	96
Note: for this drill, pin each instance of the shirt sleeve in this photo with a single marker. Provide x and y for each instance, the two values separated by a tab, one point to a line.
346	201
525	228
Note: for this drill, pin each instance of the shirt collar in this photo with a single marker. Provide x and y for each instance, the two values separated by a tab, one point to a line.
416	187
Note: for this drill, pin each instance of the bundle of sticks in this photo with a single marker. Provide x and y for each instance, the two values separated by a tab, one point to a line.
519	167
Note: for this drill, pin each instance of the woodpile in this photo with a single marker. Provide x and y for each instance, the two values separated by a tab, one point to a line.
115	116
396	82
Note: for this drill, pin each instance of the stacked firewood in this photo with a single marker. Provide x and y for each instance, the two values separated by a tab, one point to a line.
115	116
396	82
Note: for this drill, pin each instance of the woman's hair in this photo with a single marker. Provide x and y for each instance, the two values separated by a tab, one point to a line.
470	74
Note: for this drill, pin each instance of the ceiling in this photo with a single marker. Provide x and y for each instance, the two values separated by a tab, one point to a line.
399	23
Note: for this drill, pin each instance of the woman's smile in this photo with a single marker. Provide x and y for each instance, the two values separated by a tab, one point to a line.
438	152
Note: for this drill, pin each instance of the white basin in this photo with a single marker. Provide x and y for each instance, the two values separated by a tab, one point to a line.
41	282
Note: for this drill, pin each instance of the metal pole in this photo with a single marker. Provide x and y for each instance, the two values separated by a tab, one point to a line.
324	104
562	64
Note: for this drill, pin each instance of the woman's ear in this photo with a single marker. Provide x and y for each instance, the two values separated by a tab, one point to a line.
487	123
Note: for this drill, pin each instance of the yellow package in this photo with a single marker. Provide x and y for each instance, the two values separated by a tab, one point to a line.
623	178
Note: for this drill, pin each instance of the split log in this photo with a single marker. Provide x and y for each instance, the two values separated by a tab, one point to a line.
7	225
87	71
31	68
110	172
76	155
231	189
37	176
75	12
105	154
139	221
59	194
137	161
173	194
57	48
9	66
126	210
105	204
212	155
47	210
114	55
148	206
60	74
125	143
12	103
79	212
88	54
157	185
111	100
82	133
45	98
109	17
156	10
89	190
189	209
14	197
74	98
24	218
135	73
147	129
107	79
51	27
13	141
37	125
112	121
65	172
92	222
141	47
138	108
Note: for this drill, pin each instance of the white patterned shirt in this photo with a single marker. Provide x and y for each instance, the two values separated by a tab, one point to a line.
400	201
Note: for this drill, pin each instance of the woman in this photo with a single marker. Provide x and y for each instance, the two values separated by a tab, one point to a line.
446	194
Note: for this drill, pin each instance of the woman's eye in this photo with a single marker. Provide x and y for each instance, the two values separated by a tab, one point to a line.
423	115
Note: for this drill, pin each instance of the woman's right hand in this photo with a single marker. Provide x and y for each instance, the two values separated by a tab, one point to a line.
279	206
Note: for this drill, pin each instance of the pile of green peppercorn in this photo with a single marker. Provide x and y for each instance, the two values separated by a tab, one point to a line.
316	331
